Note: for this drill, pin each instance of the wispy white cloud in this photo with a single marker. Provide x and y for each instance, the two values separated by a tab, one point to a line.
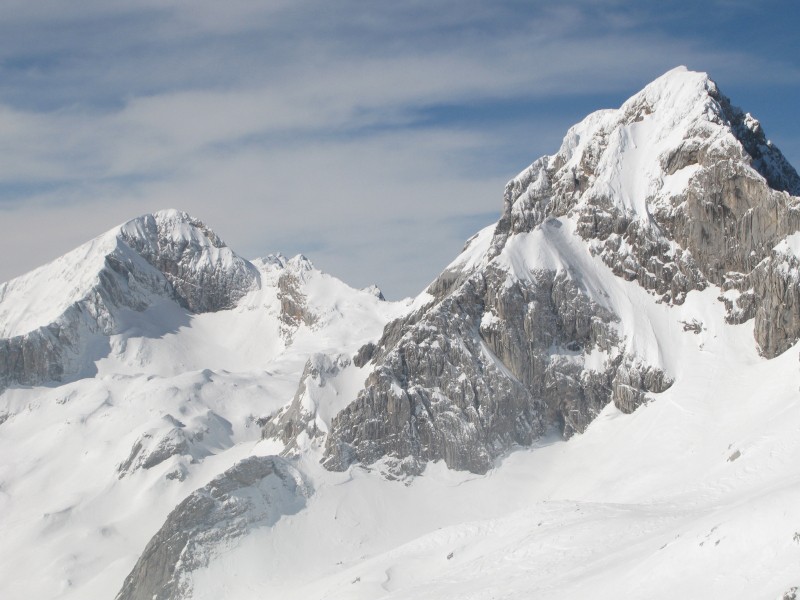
297	124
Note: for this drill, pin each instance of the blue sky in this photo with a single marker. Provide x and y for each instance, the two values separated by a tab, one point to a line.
374	137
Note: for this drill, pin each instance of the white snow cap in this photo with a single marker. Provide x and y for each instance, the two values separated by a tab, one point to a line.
39	297
626	149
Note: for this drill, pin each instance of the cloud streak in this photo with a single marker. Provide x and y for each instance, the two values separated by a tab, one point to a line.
303	124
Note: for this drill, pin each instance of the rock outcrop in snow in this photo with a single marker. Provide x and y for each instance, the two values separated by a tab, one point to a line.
256	492
204	274
615	275
676	189
488	366
773	290
174	438
301	416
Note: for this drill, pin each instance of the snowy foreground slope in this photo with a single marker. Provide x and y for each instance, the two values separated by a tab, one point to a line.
599	398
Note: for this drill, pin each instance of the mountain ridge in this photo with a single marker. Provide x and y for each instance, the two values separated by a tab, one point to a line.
634	188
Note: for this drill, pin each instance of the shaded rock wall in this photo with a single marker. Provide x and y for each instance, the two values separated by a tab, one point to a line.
490	367
205	274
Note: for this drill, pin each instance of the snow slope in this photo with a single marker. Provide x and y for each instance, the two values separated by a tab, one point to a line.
695	495
41	296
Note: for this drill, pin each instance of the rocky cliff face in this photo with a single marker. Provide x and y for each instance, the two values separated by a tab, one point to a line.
300	416
490	366
772	290
675	191
205	275
530	328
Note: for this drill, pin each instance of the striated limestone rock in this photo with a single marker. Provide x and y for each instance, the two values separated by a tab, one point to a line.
294	308
206	275
255	492
632	381
490	367
775	282
712	196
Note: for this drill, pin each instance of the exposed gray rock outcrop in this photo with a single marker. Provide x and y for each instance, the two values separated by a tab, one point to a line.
205	274
633	380
775	282
174	438
735	205
256	492
59	349
294	308
490	367
301	414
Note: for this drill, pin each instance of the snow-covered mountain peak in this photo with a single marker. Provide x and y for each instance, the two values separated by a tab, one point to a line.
271	261
300	263
55	320
678	92
168	253
42	295
649	151
675	189
146	377
540	321
174	224
205	273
